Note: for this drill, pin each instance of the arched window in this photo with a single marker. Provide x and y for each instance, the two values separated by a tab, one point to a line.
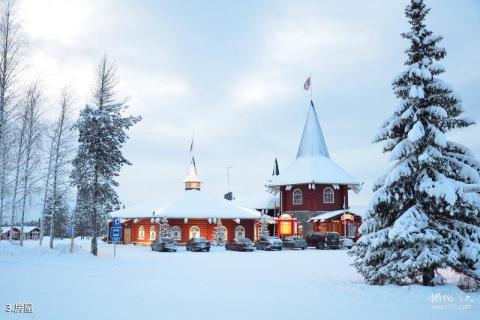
328	195
194	232
153	233
297	197
176	233
141	233
239	232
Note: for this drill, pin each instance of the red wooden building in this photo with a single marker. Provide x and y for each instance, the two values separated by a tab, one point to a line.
193	213
314	185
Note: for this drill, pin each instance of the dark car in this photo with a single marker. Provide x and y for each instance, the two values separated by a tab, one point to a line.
198	244
324	240
164	244
269	243
240	245
294	243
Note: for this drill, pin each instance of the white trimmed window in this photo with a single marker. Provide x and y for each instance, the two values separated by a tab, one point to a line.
176	233
141	233
194	232
239	232
328	195
297	197
153	233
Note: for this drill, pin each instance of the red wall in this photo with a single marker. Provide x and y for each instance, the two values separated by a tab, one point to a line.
206	229
313	198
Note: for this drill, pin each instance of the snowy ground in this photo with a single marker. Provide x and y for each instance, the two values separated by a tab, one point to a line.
139	284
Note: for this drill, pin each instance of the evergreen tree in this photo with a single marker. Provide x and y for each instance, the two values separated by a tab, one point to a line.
263	227
102	133
165	229
421	216
219	233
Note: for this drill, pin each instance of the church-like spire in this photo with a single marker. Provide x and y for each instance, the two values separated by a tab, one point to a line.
313	142
275	171
192	180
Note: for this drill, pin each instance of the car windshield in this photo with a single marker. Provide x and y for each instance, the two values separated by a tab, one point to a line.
168	240
200	239
245	241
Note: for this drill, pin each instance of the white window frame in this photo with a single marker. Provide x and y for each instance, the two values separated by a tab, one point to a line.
190	232
325	195
242	229
176	232
297	201
153	233
141	233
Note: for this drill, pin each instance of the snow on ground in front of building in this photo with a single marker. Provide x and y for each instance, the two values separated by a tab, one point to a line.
141	284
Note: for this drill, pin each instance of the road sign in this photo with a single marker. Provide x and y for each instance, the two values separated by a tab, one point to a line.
116	222
116	234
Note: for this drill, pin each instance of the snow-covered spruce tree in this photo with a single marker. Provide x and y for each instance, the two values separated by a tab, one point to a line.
102	132
420	217
263	227
165	229
219	233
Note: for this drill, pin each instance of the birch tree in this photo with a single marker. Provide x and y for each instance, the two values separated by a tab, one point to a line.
60	158
31	139
11	43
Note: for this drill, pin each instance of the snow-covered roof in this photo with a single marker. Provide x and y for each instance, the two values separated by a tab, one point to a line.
330	214
200	204
313	163
259	200
190	204
138	210
26	229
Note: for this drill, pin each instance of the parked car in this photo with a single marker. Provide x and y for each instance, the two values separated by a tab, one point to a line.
164	244
324	240
198	244
269	243
294	243
346	242
240	245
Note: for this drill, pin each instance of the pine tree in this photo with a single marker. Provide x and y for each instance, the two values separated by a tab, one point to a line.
165	229
102	133
263	227
219	233
420	218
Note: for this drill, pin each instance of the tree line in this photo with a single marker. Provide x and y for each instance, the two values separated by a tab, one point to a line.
71	159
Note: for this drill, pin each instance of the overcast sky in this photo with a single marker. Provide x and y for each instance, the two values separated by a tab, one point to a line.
232	74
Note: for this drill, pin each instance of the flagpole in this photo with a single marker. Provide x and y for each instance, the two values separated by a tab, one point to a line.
311	88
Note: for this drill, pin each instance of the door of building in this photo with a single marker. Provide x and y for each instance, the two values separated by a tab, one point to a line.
127	235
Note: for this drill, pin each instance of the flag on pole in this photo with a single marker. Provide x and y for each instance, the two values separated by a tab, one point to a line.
306	86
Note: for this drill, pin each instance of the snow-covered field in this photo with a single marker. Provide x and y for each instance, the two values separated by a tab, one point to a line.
141	284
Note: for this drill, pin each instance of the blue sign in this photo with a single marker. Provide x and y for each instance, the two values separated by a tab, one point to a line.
116	234
116	222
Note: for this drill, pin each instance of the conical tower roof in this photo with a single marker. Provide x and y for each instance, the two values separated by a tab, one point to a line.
313	163
313	141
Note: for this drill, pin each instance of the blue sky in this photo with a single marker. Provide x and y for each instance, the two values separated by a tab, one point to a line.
231	72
